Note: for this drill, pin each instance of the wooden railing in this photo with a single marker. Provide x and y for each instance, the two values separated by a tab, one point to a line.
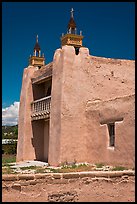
40	109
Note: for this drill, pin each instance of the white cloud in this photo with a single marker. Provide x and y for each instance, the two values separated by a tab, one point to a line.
10	114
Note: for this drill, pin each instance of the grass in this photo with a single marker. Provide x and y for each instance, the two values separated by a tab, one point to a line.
29	167
119	168
64	168
46	170
99	165
7	159
74	168
7	170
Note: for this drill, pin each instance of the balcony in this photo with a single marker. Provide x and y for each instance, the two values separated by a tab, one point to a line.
40	109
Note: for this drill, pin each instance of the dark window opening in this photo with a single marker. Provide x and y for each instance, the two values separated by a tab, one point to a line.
76	50
37	54
73	31
111	130
48	91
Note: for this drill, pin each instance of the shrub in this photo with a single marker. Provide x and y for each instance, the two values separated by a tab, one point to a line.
9	148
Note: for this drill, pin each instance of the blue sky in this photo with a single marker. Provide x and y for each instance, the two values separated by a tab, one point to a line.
108	29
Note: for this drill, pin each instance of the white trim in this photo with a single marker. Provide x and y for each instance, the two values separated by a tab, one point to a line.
47	97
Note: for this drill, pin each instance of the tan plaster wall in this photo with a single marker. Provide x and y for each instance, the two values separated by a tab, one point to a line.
98	149
77	81
25	149
55	112
72	110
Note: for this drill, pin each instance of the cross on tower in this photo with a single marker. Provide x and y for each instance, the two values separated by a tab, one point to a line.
72	10
37	39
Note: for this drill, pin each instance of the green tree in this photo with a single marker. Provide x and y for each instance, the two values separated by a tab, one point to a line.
16	130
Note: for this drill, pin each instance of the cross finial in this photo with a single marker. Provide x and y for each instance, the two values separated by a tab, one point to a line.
72	13
37	39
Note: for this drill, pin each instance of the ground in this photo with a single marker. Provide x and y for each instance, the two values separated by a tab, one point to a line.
73	190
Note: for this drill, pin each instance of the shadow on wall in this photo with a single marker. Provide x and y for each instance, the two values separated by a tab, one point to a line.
38	139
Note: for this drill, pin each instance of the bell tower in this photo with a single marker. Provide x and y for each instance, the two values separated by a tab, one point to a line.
72	38
37	59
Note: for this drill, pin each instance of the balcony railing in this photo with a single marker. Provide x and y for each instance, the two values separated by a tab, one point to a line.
40	109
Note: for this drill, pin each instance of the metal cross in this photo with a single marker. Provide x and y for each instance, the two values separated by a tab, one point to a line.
72	12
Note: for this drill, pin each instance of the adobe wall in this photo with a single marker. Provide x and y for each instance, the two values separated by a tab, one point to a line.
55	111
25	149
80	82
98	112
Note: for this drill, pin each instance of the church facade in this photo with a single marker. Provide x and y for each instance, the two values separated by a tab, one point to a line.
78	108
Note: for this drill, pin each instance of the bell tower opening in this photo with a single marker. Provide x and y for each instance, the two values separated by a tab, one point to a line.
76	50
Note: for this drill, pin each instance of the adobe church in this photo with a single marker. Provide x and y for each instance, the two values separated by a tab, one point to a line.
77	108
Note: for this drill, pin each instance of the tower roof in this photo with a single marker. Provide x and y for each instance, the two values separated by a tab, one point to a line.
37	46
72	23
